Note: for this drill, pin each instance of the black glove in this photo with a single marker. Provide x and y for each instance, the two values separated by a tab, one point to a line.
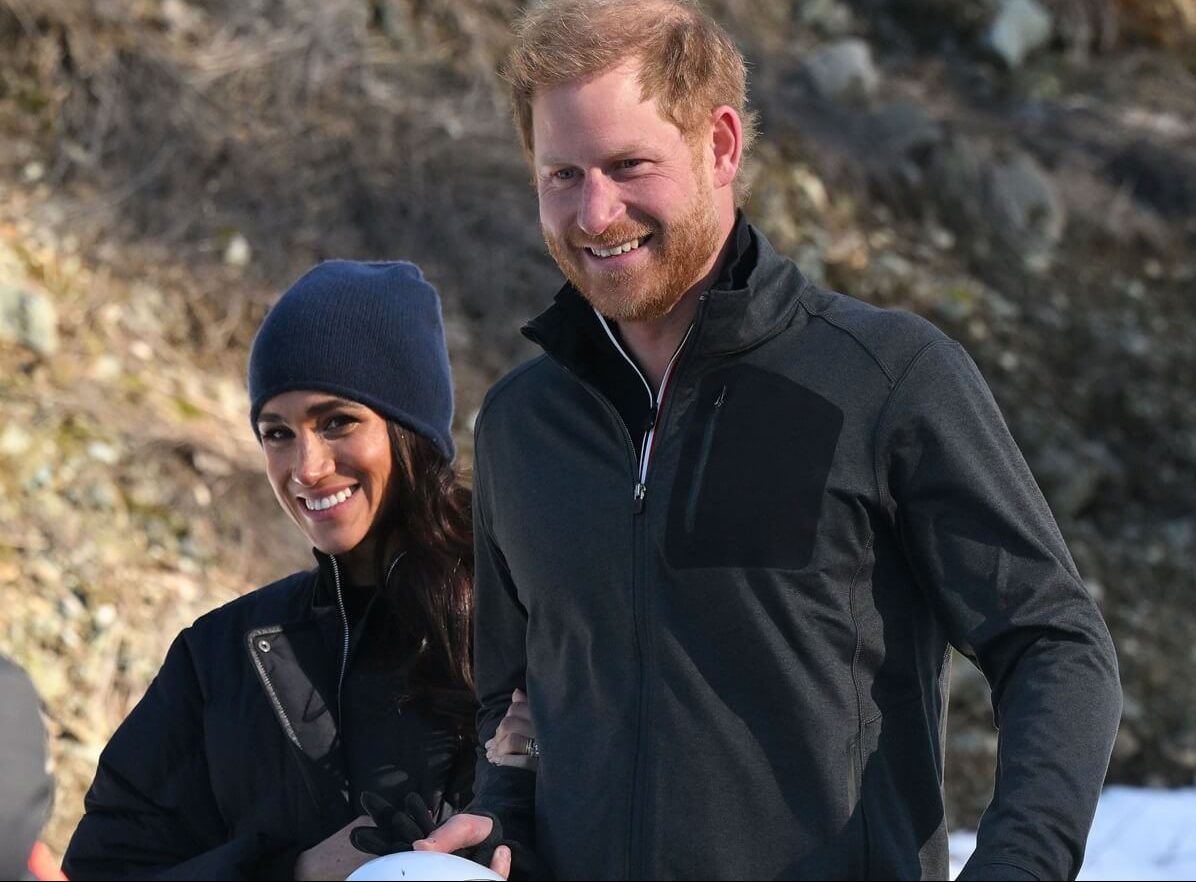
396	829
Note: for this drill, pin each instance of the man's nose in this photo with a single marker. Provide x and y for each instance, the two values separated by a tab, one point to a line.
313	461
601	204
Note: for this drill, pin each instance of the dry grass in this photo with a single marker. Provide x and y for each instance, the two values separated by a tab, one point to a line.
1167	23
325	130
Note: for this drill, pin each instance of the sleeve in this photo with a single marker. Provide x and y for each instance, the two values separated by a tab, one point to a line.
151	812
987	550
25	798
500	665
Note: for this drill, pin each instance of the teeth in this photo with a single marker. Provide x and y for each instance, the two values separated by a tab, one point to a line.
618	249
328	501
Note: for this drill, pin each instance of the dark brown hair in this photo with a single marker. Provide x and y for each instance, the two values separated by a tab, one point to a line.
430	594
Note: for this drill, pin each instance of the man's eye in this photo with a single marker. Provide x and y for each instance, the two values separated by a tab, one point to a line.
563	174
629	163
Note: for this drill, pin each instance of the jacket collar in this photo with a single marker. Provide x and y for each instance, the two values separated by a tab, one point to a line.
754	297
324	590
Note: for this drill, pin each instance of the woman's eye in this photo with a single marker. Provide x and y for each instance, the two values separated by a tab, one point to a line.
339	422
275	433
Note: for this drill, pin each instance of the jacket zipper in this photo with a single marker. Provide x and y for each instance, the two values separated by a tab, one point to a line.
637	817
340	605
640	491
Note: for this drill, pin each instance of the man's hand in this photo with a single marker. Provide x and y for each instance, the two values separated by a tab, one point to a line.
334	858
466	831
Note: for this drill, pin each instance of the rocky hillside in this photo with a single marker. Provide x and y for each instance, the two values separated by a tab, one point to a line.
1022	172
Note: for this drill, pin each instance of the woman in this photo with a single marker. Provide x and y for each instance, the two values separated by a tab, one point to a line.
249	753
514	743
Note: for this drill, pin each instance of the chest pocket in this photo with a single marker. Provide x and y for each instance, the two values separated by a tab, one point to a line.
753	469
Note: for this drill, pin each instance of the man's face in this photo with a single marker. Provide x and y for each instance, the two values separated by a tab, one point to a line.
627	203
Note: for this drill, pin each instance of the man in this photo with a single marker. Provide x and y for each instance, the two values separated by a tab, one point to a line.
729	523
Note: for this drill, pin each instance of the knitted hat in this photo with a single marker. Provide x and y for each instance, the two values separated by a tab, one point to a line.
369	332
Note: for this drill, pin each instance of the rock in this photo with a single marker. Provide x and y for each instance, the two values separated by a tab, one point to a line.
393	18
843	71
1001	197
1072	475
103	453
832	18
933	23
40	477
1162	176
808	256
1027	211
202	495
105	616
14	441
1180	535
895	143
810	186
102	495
180	16
28	319
32	172
1020	27
1085	27
141	350
894	265
903	129
106	368
210	464
238	253
941	238
45	572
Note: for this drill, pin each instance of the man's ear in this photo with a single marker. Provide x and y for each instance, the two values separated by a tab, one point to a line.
727	142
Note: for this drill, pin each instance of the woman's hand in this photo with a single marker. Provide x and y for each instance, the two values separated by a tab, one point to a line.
334	858
514	743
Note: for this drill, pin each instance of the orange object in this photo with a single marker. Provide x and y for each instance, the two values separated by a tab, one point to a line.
42	864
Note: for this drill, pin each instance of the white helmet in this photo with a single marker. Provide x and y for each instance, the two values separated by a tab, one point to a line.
431	865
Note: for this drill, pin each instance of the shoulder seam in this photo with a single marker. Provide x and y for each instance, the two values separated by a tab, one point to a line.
854	336
881	489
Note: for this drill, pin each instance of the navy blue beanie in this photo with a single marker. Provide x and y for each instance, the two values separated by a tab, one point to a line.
369	332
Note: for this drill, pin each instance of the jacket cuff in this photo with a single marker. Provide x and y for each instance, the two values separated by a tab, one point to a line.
526	863
278	863
995	870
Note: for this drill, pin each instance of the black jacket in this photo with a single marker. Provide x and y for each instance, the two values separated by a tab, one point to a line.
739	669
232	763
25	784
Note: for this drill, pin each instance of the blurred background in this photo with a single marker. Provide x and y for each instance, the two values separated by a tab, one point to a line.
1021	172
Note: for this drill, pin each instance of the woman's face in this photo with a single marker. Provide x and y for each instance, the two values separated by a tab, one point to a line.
329	462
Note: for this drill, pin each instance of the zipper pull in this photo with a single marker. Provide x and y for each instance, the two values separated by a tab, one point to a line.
641	490
722	396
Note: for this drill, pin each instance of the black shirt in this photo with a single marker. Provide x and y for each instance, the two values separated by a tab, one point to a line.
392	744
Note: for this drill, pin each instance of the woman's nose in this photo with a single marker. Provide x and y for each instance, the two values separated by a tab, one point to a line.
313	462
